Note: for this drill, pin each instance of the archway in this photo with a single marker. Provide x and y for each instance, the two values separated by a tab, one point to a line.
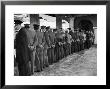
85	25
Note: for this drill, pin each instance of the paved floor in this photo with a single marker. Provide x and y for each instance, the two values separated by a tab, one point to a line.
83	63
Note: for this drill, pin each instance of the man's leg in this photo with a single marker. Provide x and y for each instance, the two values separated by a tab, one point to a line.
32	61
41	58
37	60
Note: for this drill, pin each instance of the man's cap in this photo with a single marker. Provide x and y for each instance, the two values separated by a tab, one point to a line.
54	30
18	21
27	25
36	25
48	27
69	28
42	27
66	31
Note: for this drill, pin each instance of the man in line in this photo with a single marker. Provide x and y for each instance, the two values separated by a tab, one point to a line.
39	48
22	52
32	43
47	35
73	40
68	42
52	43
45	47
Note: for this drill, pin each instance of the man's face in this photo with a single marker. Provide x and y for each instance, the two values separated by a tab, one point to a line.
17	26
31	26
43	29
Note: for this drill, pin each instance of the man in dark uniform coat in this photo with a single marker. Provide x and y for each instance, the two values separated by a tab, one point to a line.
22	53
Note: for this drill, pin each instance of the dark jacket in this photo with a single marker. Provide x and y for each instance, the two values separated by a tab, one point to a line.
22	53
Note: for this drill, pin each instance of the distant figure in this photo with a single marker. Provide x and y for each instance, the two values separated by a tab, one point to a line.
68	43
52	44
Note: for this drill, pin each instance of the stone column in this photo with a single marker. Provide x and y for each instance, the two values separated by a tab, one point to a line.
34	19
71	23
58	22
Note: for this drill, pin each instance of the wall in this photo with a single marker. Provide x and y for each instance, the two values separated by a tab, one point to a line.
92	18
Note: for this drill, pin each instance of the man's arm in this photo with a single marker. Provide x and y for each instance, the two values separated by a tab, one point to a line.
35	40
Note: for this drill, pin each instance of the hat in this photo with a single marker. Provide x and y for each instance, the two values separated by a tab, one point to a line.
42	27
48	27
18	21
69	28
27	25
54	30
36	26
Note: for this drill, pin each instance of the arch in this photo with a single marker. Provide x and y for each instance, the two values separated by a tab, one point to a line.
85	25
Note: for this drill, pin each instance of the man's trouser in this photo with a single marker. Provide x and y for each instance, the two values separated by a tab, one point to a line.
49	55
68	49
32	53
78	46
56	52
82	45
64	47
25	69
24	66
62	51
39	60
52	54
55	60
72	47
46	63
59	52
88	43
75	46
69	46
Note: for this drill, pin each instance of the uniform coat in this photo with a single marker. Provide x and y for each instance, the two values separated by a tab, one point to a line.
22	53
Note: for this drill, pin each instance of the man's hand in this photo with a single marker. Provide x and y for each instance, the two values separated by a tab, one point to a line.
31	48
41	46
53	45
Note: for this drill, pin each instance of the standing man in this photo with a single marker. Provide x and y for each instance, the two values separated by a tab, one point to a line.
39	48
52	40
32	43
68	42
57	45
45	47
73	40
47	36
22	52
59	37
55	48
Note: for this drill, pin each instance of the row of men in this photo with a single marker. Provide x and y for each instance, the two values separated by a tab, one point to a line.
38	47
